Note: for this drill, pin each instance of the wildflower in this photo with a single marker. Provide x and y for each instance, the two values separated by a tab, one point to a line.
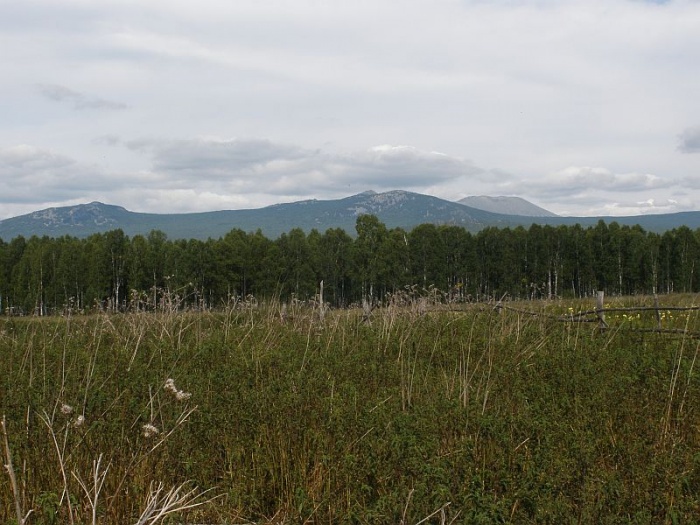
79	421
66	409
150	430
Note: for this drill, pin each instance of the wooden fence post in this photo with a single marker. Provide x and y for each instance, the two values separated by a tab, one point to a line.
322	307
658	313
600	310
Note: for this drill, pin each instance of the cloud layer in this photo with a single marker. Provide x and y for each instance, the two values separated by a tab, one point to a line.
581	107
213	173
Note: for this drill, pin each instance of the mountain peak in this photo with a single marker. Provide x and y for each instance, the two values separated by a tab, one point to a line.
506	205
95	214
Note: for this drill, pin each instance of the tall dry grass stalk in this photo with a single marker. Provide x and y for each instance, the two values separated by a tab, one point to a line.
22	517
161	503
61	452
92	491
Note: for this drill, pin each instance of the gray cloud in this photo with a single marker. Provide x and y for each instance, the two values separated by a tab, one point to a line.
406	166
689	140
22	160
29	174
214	156
222	169
245	164
692	182
79	100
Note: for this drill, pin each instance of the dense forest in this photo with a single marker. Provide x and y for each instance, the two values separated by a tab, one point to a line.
112	271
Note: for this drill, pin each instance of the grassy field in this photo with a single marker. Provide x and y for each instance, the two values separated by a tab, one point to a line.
468	415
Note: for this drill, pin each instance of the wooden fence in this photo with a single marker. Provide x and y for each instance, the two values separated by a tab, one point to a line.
598	315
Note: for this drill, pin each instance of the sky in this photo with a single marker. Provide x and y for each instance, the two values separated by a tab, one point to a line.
583	107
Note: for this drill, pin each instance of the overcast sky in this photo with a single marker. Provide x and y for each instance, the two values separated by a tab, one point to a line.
584	107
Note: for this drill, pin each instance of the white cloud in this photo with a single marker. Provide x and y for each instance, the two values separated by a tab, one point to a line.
578	179
630	208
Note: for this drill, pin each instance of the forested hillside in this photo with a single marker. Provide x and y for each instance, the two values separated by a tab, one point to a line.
114	271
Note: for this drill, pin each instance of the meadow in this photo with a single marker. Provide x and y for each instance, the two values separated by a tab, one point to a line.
419	412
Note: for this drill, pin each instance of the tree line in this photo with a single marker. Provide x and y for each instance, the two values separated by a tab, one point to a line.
110	270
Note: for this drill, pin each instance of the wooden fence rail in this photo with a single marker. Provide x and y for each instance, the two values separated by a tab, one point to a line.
597	315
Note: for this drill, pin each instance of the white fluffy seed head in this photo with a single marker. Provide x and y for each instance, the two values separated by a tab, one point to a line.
66	409
150	430
182	396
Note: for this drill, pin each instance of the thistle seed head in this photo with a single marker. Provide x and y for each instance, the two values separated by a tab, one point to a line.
182	396
150	430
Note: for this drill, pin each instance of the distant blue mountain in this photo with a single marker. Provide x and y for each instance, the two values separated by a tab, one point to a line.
506	205
394	208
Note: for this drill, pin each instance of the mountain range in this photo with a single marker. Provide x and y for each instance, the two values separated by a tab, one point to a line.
394	208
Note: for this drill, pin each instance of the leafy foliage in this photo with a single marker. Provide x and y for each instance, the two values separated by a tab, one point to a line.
506	417
114	272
